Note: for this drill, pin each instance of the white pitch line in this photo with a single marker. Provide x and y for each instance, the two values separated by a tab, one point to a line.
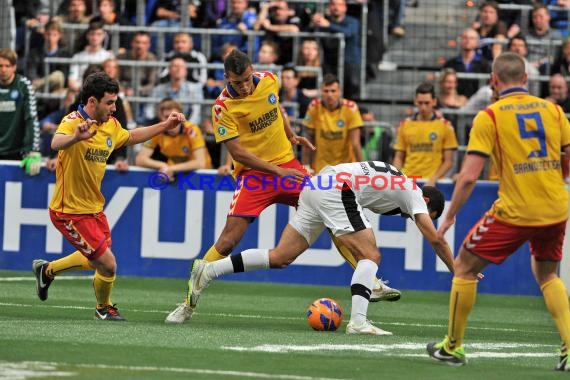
267	317
241	374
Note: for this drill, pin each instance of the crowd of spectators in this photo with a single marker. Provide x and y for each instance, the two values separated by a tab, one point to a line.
171	65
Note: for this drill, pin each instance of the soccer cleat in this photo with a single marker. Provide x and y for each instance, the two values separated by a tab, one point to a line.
563	361
42	280
438	352
366	328
382	292
179	315
108	313
198	281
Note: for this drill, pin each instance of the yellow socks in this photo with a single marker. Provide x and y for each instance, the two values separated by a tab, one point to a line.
73	262
461	301
213	255
556	299
344	252
102	286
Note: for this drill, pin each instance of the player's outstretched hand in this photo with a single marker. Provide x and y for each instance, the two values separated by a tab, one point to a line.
299	140
292	175
174	120
84	131
444	225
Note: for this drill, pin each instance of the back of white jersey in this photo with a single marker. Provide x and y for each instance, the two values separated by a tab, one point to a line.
379	187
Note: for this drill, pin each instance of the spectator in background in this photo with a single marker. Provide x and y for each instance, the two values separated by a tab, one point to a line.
139	81
518	45
338	21
76	12
268	53
512	17
376	140
210	11
291	93
561	64
540	38
57	76
468	61
178	88
184	147
93	53
167	13
448	95
425	143
310	56
275	17
490	28
108	15
559	18
184	47
216	79
240	19
124	111
333	125
558	92
19	127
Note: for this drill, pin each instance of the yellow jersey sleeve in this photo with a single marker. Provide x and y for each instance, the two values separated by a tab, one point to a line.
401	143
153	142
312	114
449	138
483	135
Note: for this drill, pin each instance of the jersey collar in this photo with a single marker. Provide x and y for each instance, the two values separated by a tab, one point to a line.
82	112
513	90
415	116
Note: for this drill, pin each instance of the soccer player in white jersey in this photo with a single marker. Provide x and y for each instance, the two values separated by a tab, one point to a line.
336	199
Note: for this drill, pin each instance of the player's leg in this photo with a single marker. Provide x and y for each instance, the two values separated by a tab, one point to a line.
380	291
231	235
103	281
546	250
362	245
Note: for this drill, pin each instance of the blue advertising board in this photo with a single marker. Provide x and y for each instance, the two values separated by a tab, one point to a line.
158	233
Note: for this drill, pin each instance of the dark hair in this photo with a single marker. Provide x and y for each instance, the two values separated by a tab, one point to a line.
436	200
490	3
330	79
237	62
426	88
517	37
290	67
97	85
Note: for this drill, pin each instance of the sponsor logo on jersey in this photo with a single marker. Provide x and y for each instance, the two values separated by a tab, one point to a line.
264	121
222	130
109	142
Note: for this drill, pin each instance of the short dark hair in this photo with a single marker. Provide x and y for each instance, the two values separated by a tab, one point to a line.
97	85
330	79
436	200
237	62
426	88
517	37
290	67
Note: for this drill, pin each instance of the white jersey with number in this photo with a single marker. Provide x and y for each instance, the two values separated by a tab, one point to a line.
336	197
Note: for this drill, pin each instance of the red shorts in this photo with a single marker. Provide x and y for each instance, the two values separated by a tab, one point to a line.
495	241
89	233
256	191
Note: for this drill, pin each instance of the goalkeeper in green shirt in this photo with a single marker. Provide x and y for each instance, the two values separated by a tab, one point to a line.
19	126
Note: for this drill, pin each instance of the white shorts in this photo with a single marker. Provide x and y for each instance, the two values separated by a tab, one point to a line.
333	208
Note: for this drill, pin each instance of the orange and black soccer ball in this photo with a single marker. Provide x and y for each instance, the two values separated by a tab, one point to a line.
325	314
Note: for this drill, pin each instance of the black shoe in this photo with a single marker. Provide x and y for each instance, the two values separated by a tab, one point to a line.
108	313
42	281
437	351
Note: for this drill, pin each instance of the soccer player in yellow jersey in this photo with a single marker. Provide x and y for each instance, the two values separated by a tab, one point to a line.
333	125
426	142
184	147
248	119
84	139
524	136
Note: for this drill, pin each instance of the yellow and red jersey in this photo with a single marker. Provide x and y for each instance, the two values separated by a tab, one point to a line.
81	167
524	135
179	148
424	143
331	132
255	119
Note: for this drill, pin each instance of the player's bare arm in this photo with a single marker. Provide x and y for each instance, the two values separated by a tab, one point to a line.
294	138
307	153
446	164
354	137
471	169
143	134
83	131
438	243
399	159
240	154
